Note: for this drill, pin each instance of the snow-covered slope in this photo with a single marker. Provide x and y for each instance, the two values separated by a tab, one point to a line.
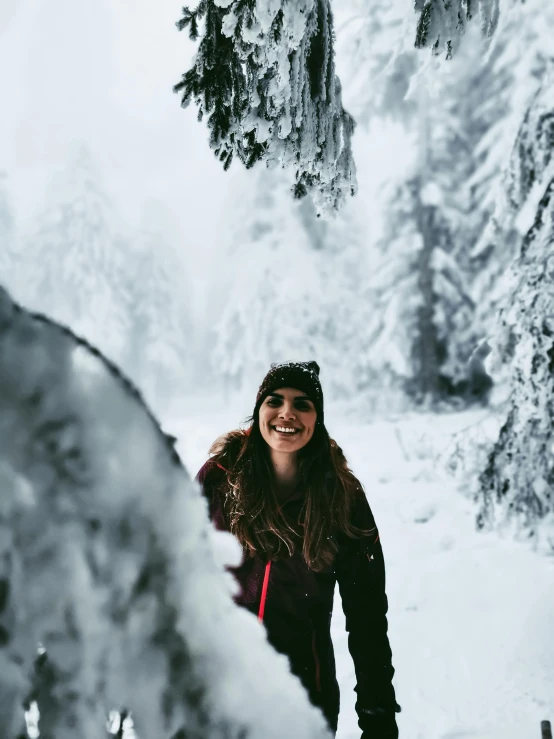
470	615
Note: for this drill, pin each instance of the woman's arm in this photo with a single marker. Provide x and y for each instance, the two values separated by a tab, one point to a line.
361	579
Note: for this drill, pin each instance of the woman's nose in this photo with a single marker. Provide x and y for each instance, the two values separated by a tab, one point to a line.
287	411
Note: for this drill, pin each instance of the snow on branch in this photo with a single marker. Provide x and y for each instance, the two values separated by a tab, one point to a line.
264	77
110	596
532	162
441	24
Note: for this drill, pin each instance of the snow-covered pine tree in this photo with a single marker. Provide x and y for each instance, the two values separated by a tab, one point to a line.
338	299
74	256
475	104
499	95
446	131
378	59
296	290
264	76
105	546
267	316
517	486
159	352
467	159
441	25
420	298
424	329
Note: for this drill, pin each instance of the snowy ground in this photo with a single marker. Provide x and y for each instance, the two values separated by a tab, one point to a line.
471	615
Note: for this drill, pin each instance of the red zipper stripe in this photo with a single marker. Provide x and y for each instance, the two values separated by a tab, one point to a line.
264	592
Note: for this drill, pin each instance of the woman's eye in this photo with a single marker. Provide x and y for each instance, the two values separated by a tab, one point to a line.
274	402
302	406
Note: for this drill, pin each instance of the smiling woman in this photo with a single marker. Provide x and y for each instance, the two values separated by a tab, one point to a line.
284	489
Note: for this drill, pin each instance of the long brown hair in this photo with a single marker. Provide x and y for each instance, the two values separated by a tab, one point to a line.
252	507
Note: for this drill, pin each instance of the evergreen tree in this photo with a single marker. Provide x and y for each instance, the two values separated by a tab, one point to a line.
296	292
472	120
264	319
264	76
105	546
441	24
159	353
425	327
375	44
517	485
466	121
75	255
499	96
515	488
338	299
423	302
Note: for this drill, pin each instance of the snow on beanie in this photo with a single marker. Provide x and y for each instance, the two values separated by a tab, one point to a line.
302	376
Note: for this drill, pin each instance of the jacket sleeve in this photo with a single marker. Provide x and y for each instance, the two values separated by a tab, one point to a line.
361	578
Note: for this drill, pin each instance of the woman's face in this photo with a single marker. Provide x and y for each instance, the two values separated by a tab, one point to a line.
287	420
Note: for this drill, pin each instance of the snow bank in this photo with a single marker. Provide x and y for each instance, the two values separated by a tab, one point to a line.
470	613
106	559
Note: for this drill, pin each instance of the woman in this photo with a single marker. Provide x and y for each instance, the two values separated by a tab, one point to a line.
283	488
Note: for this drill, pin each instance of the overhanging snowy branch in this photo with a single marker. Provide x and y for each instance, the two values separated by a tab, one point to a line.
441	24
264	76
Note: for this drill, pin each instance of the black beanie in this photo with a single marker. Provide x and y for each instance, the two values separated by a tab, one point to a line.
302	376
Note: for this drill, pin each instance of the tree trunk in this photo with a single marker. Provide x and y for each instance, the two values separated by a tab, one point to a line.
426	353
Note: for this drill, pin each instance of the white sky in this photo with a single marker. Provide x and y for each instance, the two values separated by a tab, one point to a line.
103	72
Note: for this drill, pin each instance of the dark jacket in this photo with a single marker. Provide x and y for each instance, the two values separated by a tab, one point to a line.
295	605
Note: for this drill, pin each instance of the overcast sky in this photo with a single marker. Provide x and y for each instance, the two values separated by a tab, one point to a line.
103	72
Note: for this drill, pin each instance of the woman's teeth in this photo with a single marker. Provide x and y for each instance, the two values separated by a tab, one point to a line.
285	430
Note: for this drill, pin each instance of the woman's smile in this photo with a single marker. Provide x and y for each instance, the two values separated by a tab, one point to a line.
286	430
